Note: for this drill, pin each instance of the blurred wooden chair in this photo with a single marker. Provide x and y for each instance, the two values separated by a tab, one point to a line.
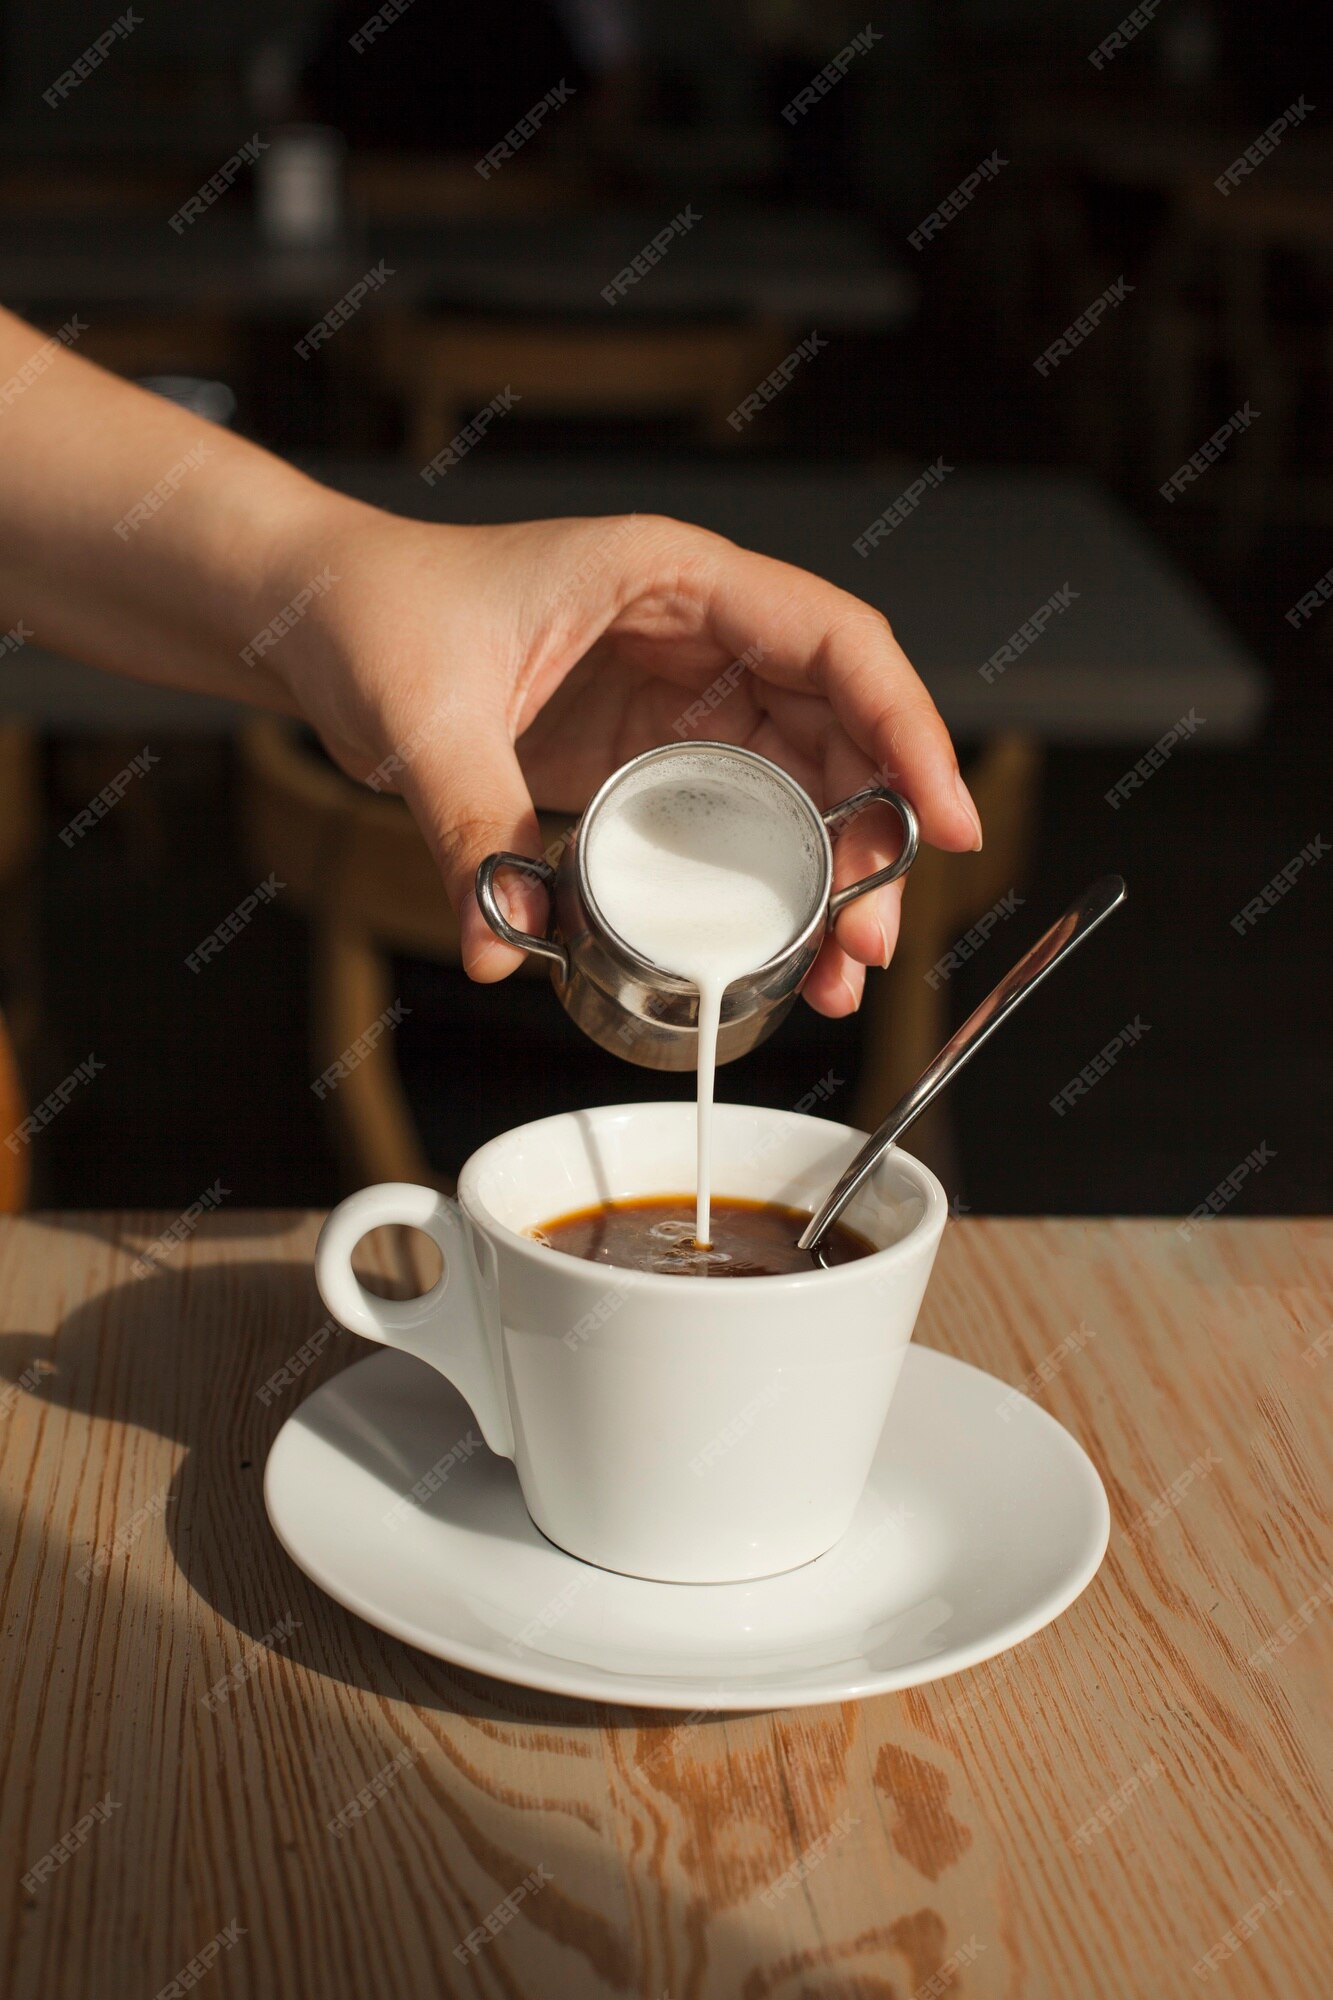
445	369
14	1175
356	864
19	809
407	187
906	1016
1222	330
62	190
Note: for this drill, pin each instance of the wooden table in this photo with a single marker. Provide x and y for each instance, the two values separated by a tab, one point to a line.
1086	1816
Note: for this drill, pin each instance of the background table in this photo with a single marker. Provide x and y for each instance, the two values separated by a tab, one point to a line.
1138	648
749	260
1087	1815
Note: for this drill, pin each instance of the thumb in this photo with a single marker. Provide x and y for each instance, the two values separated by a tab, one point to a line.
470	799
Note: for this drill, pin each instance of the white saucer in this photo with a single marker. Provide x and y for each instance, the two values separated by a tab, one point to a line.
982	1521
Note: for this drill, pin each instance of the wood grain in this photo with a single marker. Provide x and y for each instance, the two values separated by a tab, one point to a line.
1087	1815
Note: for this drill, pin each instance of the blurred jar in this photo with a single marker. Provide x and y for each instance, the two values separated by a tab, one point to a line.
300	187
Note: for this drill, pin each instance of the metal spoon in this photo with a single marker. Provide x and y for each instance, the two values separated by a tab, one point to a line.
1079	920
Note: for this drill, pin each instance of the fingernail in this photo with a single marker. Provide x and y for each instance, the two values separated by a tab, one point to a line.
968	803
850	991
885	948
524	904
485	956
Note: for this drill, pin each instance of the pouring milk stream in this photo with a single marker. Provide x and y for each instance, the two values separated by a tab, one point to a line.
697	878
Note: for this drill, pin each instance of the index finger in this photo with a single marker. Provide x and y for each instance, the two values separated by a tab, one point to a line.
820	640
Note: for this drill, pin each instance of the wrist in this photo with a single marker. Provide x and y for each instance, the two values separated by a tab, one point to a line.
322	545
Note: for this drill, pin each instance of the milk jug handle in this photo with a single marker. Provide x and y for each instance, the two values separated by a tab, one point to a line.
489	904
838	817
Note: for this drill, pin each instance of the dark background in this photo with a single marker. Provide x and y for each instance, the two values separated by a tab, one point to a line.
209	1078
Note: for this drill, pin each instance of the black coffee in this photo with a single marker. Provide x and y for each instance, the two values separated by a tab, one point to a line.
751	1239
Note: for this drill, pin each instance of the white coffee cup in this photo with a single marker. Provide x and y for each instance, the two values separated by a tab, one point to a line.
687	1430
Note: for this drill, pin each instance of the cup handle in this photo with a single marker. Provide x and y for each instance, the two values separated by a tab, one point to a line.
489	904
458	1335
839	815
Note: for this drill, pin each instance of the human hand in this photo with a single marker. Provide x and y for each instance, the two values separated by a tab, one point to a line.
483	667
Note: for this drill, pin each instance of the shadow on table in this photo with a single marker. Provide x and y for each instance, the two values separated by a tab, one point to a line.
183	1354
127	1357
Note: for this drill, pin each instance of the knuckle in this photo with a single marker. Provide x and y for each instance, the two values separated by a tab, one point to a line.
693	551
864	621
467	838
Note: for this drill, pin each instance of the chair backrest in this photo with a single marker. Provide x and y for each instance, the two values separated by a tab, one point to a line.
344	852
394	187
446	368
19	819
362	872
348	854
14	1171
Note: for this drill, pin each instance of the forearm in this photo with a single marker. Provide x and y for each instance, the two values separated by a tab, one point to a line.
469	666
144	540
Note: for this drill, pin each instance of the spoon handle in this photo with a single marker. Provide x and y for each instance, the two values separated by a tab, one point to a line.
1079	921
